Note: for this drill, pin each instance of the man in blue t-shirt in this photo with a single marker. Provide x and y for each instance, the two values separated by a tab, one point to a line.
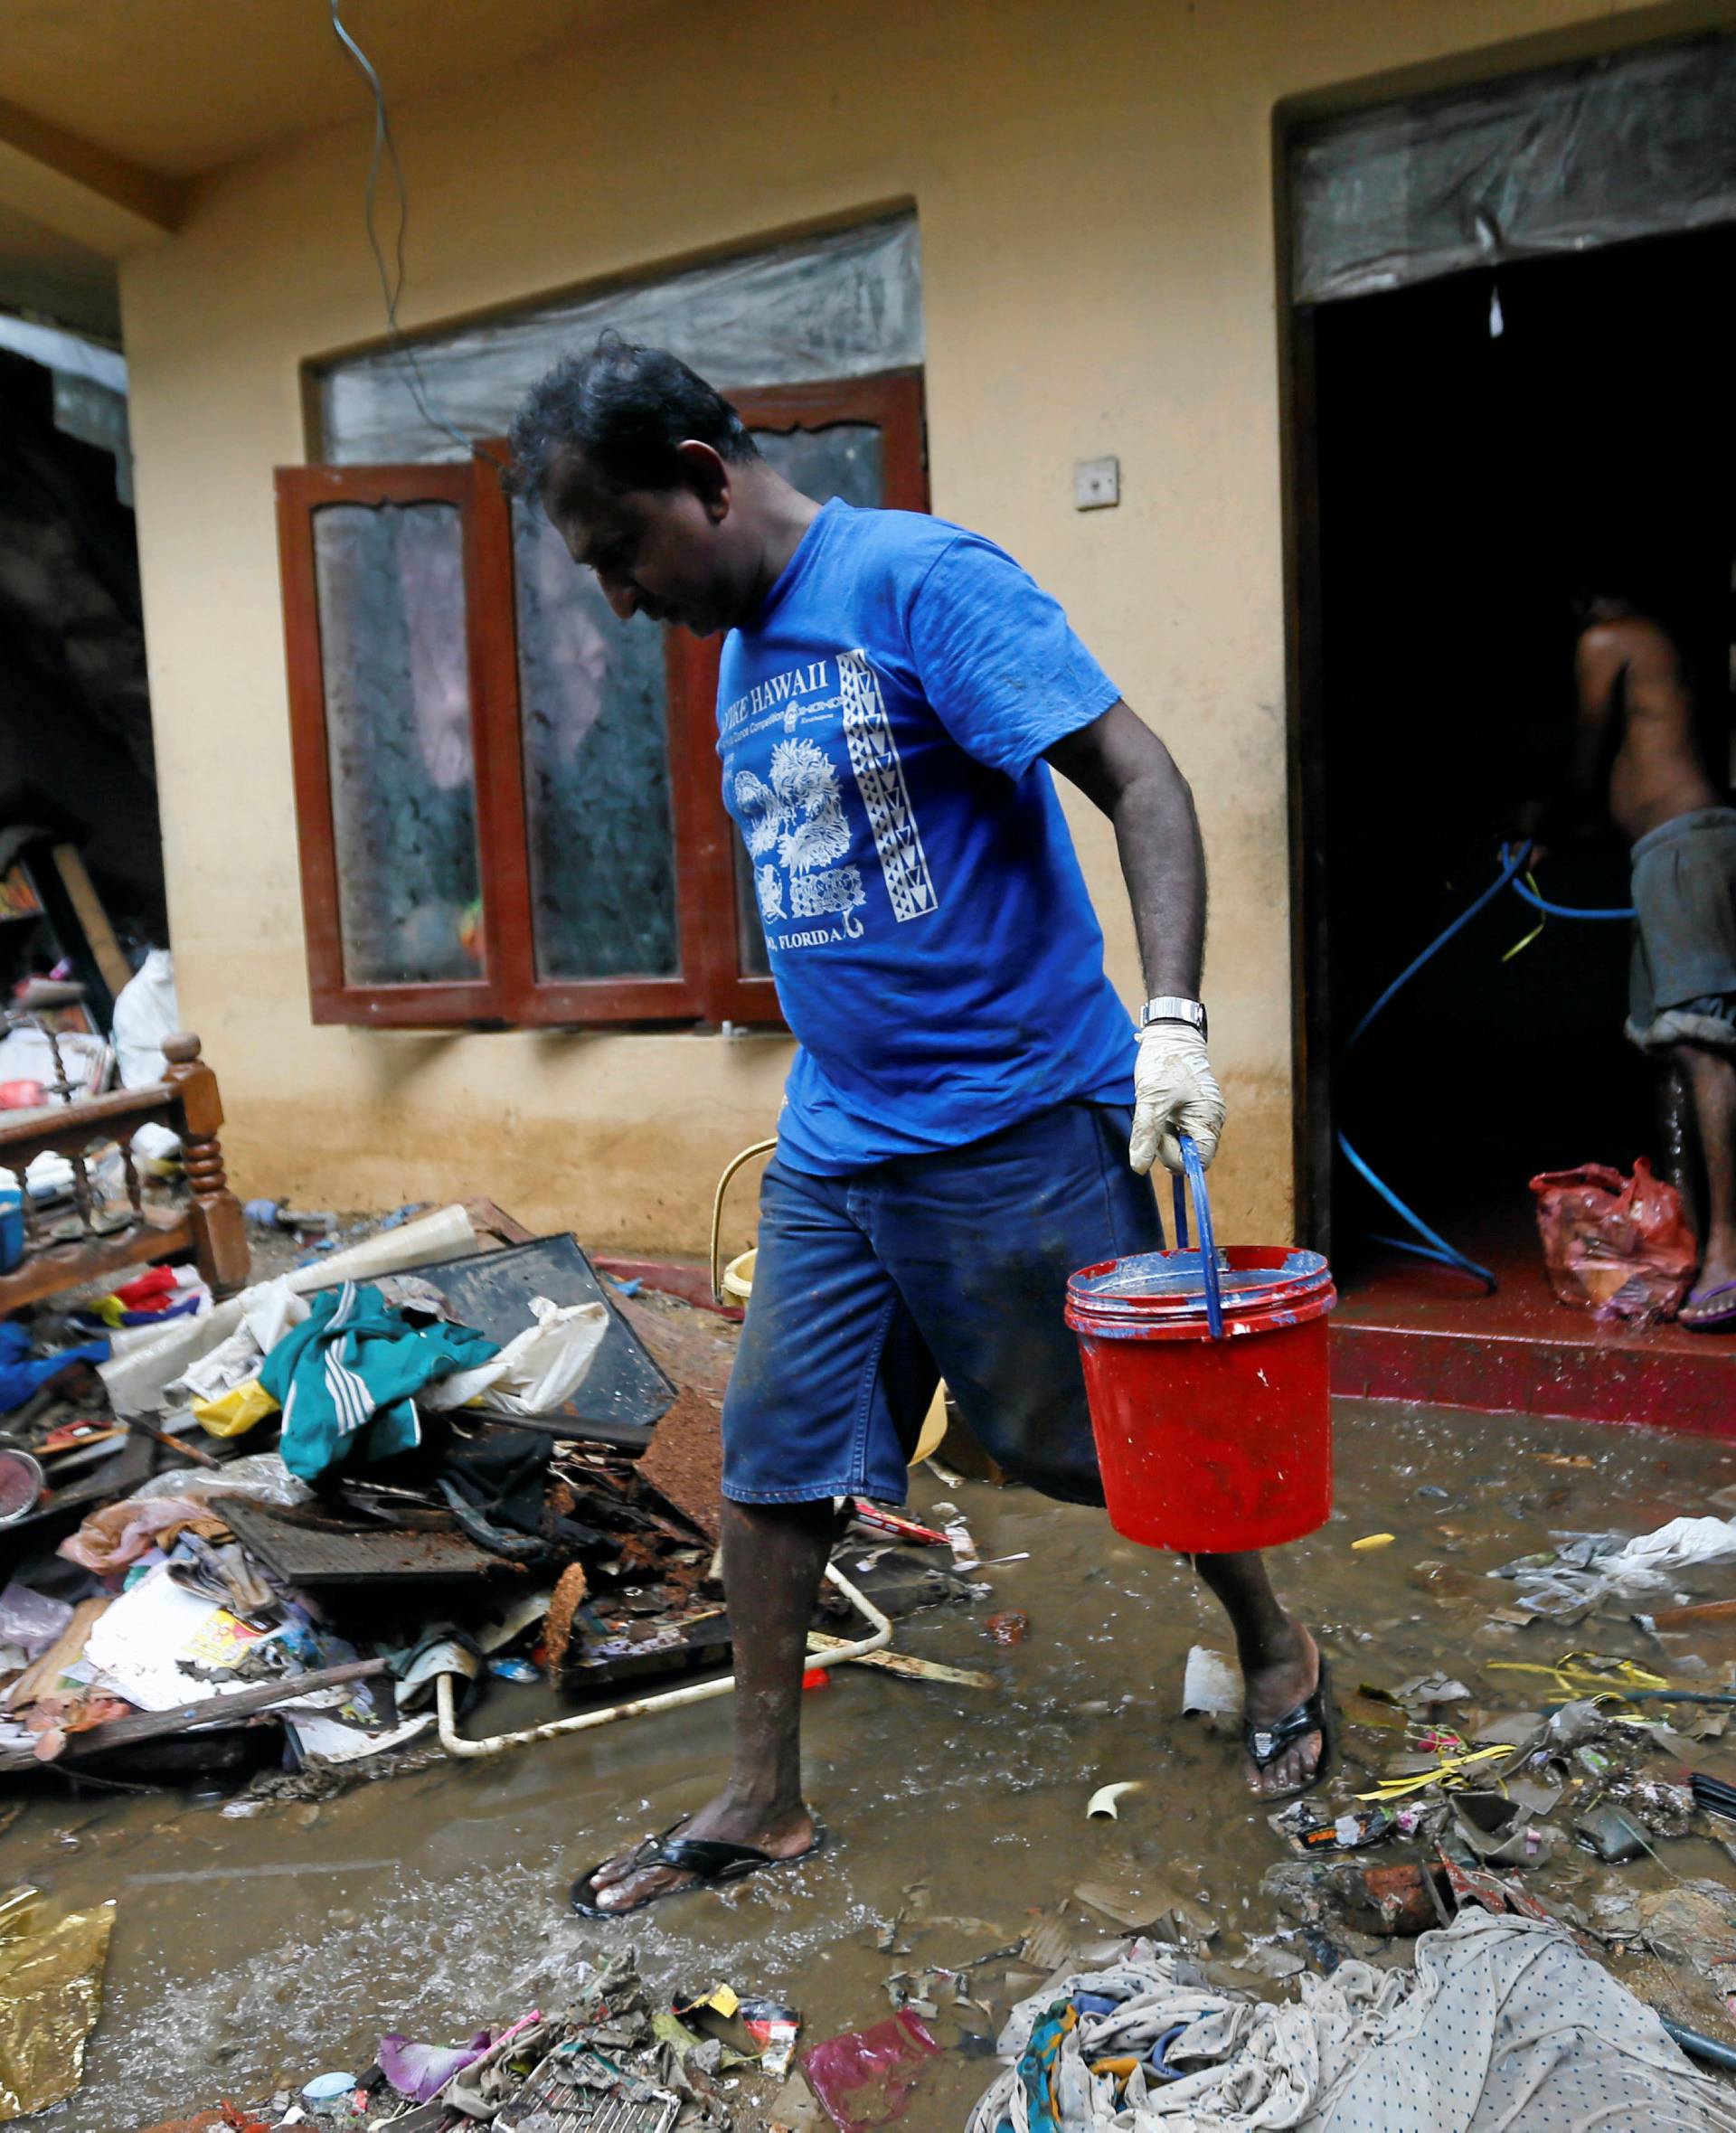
969	1117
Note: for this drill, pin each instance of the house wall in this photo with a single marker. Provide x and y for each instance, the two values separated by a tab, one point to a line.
1096	200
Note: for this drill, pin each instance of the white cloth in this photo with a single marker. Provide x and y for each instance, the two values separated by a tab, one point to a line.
538	1371
1175	1091
146	1012
1504	2022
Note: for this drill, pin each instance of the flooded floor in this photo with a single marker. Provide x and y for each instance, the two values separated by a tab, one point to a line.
251	1954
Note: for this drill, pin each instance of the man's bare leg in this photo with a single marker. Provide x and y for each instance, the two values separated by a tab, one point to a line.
774	1557
1711	1076
1280	1663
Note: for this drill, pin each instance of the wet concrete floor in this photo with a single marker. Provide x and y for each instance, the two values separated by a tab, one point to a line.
251	1954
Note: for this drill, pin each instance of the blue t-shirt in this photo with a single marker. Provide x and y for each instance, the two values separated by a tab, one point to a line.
881	724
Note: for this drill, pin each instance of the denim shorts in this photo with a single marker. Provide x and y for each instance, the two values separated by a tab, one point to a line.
869	1288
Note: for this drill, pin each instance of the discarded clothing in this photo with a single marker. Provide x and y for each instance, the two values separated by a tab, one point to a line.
20	1372
270	1310
1504	2022
346	1378
120	1533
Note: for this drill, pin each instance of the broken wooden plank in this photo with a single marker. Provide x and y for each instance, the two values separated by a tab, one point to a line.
904	1663
152	1725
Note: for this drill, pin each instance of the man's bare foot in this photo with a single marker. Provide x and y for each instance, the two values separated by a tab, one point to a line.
786	1833
1286	1676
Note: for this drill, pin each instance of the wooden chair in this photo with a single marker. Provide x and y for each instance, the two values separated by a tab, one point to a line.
209	1224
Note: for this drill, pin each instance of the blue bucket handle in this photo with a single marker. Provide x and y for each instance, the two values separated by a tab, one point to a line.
1194	1186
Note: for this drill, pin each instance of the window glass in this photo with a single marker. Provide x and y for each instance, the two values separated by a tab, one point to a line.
844	459
389	581
594	710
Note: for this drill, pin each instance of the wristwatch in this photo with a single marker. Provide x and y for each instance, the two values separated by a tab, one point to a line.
1166	1007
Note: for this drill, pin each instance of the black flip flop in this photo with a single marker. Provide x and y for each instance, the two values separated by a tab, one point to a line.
713	1861
1313	1714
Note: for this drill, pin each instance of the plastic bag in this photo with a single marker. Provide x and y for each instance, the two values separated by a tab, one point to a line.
146	1011
864	2077
1617	1247
233	1413
538	1371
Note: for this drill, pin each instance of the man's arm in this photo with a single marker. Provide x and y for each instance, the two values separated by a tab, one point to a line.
1120	763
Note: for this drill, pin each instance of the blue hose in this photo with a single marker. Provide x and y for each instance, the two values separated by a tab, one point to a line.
1433	1246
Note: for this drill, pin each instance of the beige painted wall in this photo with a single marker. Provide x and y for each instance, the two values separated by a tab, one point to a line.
1096	194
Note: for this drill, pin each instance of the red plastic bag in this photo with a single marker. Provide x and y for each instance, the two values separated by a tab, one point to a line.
1617	1247
865	2077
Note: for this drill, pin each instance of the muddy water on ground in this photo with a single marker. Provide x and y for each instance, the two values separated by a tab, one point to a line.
251	1954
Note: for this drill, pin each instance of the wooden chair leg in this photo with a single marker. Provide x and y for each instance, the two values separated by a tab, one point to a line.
219	1226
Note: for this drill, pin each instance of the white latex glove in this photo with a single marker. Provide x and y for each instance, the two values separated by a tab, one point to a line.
1175	1091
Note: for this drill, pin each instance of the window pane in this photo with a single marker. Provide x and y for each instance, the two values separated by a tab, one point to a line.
392	651
845	459
594	709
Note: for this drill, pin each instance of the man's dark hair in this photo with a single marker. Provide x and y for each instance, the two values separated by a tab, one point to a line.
626	409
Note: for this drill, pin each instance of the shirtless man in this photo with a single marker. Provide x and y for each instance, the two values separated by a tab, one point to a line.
1637	718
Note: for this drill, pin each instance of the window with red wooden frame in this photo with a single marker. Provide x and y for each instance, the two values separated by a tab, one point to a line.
508	802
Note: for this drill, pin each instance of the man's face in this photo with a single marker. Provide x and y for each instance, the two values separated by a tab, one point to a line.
660	553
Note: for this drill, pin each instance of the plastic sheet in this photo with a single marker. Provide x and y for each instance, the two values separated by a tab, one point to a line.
864	2077
842	306
1632	145
50	1994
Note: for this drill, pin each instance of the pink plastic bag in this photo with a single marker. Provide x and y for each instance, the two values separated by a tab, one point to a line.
1617	1247
865	2077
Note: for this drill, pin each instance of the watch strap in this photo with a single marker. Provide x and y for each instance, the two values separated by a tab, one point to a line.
1172	1008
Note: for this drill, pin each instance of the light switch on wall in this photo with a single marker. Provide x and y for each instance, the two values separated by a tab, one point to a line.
1097	483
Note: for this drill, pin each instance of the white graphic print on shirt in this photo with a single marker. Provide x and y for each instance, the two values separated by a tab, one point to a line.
797	815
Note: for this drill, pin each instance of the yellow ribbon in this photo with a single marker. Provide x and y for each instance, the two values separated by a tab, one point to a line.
1576	1670
1449	1772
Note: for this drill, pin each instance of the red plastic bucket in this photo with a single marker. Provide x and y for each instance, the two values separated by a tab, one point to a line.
1209	1445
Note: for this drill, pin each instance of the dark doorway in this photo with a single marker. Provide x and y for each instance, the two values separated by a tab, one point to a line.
1469	479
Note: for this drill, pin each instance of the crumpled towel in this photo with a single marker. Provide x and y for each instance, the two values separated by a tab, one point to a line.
120	1533
1504	2022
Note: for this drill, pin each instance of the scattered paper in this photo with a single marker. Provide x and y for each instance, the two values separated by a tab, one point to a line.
159	1644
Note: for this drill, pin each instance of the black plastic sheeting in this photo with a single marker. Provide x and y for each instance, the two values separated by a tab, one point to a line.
1640	144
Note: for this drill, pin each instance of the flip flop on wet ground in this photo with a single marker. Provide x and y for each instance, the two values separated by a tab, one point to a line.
713	1861
1720	1320
1315	1714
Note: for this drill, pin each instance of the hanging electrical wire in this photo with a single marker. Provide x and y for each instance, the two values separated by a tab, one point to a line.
392	278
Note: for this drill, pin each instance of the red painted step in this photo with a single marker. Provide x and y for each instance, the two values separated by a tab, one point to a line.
1405	1330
